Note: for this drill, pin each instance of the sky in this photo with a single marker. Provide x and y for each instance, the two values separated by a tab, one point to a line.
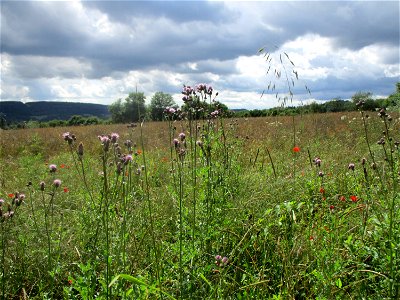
100	51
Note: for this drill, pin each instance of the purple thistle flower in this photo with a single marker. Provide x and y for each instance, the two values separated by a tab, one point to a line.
209	90
42	184
57	183
1	201
224	261
105	141
321	174
114	137
176	143
127	159
200	144
182	136
351	166
53	168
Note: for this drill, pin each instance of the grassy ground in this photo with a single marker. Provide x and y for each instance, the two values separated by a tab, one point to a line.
236	209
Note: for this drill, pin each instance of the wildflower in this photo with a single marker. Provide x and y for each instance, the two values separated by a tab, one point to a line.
321	174
128	144
1	201
138	152
353	198
114	137
11	195
127	159
381	141
221	261
317	161
80	149
332	207
176	143
62	166
351	166
66	190
182	136
187	90
311	238
199	143
57	183
363	161
296	149
68	137
42	184
105	141
53	168
214	114
342	198
21	197
209	90
224	261
322	190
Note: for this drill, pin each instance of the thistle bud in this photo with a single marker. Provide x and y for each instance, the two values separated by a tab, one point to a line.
80	149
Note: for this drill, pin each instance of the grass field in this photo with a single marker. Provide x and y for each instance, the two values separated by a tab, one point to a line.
304	207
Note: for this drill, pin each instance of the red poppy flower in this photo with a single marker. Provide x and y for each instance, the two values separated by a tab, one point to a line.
342	198
70	282
62	166
66	190
311	238
139	152
353	198
322	190
332	207
11	195
296	149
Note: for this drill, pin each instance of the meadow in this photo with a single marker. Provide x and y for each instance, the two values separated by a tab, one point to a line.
302	207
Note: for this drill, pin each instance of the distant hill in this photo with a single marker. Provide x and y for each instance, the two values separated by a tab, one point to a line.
15	111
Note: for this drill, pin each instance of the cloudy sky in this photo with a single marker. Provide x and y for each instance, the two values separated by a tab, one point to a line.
99	51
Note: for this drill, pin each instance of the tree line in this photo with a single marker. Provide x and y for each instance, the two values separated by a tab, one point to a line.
133	108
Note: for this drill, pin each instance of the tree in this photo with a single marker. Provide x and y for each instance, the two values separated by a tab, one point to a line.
131	110
159	102
116	110
134	107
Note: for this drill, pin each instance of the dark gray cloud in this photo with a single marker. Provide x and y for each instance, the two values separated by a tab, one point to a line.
179	11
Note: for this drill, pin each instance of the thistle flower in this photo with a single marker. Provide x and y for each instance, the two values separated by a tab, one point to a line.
127	159
105	141
128	144
317	161
53	168
114	137
80	150
214	114
321	174
351	166
182	136
68	137
199	143
42	184
1	201
176	143
57	183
